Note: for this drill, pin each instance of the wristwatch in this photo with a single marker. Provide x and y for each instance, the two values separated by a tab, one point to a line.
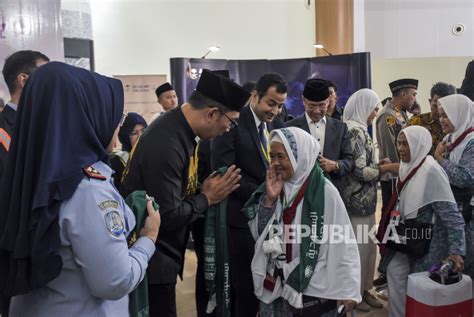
337	166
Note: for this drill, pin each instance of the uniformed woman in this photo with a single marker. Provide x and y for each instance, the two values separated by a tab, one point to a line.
63	226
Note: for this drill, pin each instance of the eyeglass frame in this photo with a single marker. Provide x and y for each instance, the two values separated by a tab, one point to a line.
233	123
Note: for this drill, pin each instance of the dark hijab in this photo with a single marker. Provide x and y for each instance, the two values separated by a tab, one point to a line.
467	87
131	121
66	119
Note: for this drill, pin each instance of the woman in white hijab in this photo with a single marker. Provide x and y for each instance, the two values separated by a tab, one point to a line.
456	155
359	188
423	199
292	218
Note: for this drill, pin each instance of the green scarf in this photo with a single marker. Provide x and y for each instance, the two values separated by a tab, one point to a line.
216	258
312	216
138	299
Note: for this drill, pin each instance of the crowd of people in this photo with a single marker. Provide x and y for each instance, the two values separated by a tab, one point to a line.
264	194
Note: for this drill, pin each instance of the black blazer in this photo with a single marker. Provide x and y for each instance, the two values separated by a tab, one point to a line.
160	166
337	144
7	120
241	146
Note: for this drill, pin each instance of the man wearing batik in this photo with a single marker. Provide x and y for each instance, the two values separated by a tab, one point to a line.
430	120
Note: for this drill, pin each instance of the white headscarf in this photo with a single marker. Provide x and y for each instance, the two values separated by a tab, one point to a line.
301	151
430	183
359	107
337	272
460	112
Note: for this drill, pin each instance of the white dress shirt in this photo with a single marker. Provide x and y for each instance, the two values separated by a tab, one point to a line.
12	105
317	130
258	121
266	134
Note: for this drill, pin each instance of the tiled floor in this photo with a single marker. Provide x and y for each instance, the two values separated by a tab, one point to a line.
186	304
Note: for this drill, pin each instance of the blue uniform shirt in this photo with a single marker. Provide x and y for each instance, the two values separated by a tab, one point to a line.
99	270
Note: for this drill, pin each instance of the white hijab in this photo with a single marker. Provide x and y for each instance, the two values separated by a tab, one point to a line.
460	112
430	183
301	151
359	107
337	273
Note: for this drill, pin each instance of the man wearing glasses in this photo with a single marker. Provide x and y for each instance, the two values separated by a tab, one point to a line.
246	146
165	165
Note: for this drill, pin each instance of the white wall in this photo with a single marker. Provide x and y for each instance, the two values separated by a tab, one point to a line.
30	25
427	70
418	28
359	26
139	37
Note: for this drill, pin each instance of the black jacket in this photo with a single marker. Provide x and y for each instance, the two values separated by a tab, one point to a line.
160	166
337	145
7	120
241	146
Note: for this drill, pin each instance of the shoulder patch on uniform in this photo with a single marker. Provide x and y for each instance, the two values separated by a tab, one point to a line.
415	120
390	120
5	139
93	173
108	204
114	223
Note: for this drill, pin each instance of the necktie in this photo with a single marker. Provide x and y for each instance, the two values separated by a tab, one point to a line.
263	139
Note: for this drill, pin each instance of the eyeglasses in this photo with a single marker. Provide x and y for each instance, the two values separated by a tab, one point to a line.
233	123
122	120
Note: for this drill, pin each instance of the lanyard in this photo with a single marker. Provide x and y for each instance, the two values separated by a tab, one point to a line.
401	184
394	200
267	150
459	140
284	203
289	213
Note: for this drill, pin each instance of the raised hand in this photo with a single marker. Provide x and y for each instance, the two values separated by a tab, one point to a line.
274	185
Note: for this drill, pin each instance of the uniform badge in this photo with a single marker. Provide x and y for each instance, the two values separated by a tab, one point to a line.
415	120
93	173
113	204
114	223
390	121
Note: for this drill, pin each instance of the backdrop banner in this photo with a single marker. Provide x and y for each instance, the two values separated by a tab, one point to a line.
350	72
139	93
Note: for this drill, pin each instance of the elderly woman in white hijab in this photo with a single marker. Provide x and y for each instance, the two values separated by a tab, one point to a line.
423	200
293	216
359	188
456	155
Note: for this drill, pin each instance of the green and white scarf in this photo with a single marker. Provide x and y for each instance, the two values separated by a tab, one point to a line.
312	216
216	258
138	299
301	149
